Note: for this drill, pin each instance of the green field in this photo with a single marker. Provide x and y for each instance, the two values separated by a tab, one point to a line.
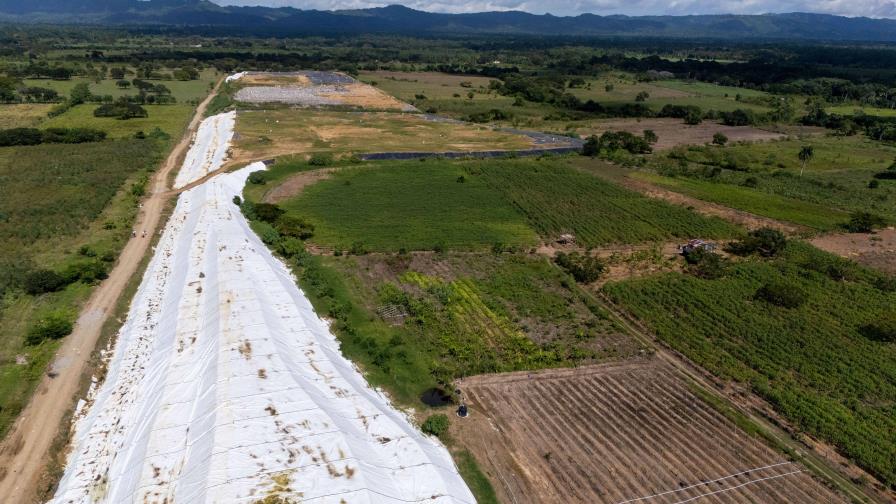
411	205
557	199
172	119
755	201
24	115
54	199
475	204
183	91
813	362
848	110
704	95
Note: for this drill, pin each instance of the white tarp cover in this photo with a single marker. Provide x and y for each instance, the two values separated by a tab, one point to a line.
209	149
224	386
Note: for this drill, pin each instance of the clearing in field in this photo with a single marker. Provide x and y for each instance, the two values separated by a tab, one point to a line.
314	89
264	134
875	250
23	115
673	132
620	433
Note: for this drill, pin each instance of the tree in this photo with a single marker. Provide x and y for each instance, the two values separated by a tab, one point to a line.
584	268
80	93
719	139
805	155
705	264
782	293
642	96
43	281
767	242
123	84
53	326
650	136
864	222
117	73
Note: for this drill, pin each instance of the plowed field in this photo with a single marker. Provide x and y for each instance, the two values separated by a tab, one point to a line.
620	434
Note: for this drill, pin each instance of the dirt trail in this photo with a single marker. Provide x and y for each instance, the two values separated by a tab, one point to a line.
24	452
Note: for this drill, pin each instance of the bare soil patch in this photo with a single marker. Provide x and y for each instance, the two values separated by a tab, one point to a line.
875	250
619	433
294	185
267	79
673	132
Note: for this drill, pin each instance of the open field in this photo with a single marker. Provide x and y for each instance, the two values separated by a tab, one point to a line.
183	91
266	134
24	115
815	362
704	95
755	201
171	119
620	433
875	250
673	132
848	110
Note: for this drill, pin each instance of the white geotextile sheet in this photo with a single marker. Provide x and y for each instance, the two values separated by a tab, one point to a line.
225	386
209	149
235	77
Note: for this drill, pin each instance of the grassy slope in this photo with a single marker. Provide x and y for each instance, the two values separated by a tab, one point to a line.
811	362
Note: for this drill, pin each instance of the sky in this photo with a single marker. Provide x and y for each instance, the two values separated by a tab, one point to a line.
870	8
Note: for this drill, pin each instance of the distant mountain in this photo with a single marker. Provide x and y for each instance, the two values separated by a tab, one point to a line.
397	19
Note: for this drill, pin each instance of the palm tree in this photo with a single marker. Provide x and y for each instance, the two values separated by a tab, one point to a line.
805	155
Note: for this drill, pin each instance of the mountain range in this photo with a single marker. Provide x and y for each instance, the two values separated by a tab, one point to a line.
398	19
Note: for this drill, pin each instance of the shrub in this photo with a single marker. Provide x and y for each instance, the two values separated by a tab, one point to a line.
320	159
258	177
882	329
295	227
53	326
120	110
267	212
266	232
783	294
719	139
767	242
87	271
864	222
357	248
42	281
436	425
584	268
705	264
873	184
237	201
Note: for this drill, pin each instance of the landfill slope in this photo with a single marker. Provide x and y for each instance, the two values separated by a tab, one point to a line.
209	150
225	386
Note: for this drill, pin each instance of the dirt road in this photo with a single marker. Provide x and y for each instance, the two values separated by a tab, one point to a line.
24	453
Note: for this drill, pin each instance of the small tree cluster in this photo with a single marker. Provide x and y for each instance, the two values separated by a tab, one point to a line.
436	425
705	264
584	268
611	141
882	329
781	293
53	326
864	222
766	242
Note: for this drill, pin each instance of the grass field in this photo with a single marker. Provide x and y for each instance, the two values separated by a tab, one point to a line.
812	362
271	133
25	115
704	95
172	119
755	201
847	110
54	199
412	205
183	91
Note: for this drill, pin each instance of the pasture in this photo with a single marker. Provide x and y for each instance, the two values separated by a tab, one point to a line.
171	119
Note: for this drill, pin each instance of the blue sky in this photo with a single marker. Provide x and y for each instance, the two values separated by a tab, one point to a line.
870	8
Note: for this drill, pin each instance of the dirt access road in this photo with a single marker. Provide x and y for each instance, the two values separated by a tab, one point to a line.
24	452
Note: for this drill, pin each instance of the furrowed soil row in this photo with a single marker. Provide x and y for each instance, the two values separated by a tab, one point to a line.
630	433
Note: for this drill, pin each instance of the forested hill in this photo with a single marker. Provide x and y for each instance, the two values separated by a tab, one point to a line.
396	19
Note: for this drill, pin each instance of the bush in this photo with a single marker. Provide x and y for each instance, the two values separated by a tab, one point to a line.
719	139
295	227
265	231
320	159
883	329
783	294
767	242
120	110
267	212
87	271
705	264
584	268
864	222
436	425
53	326
237	201
43	281
258	177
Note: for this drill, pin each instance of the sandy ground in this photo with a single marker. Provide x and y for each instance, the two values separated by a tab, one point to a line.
876	250
619	433
353	95
23	454
673	132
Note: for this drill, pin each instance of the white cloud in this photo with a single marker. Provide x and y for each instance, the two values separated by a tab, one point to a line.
870	8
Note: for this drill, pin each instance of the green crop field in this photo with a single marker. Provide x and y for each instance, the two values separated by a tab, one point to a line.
813	362
558	199
755	201
411	205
